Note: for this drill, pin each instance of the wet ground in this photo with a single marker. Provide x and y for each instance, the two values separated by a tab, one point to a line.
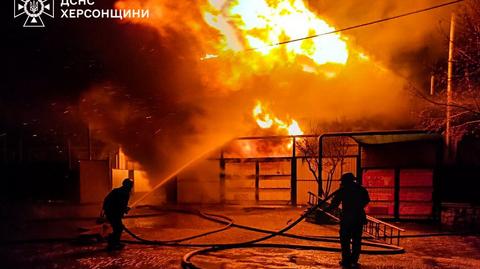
55	250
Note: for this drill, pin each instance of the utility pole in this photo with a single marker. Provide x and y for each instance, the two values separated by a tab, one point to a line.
449	86
432	85
89	142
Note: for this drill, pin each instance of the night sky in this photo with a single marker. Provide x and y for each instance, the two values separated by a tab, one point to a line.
46	70
119	77
56	63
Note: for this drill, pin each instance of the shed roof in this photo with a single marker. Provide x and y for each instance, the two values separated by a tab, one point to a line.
394	138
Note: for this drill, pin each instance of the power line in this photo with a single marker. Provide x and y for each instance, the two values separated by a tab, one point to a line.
363	24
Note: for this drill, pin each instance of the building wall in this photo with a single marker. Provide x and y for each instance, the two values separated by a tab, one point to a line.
461	216
199	183
94	181
411	154
400	179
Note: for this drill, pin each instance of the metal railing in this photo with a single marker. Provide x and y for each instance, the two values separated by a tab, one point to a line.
377	229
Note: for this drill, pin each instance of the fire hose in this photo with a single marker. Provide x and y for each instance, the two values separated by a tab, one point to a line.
384	249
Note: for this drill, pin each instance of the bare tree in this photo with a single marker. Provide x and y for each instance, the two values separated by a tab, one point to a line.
465	117
333	158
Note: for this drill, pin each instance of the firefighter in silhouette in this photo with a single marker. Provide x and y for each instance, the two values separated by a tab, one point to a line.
354	198
115	206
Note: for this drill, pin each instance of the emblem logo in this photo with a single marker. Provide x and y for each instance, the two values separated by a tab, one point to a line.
34	9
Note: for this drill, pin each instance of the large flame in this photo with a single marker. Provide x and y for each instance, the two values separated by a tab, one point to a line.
261	23
267	120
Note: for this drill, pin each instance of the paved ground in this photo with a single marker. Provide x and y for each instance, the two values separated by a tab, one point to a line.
421	252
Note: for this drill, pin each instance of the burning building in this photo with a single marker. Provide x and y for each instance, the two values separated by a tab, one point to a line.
263	68
231	59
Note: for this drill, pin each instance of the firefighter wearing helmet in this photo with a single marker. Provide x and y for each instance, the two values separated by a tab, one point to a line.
354	198
115	206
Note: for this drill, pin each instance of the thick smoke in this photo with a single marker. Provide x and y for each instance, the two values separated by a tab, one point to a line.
408	46
178	106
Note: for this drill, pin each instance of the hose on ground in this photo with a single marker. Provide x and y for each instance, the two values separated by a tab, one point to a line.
213	217
216	218
186	263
